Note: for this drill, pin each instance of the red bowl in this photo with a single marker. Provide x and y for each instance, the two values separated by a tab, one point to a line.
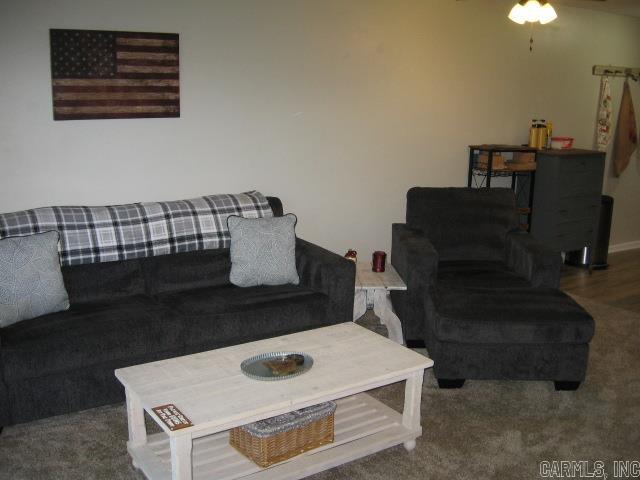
562	143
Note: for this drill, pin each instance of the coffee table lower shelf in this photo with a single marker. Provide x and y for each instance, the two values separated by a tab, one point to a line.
363	426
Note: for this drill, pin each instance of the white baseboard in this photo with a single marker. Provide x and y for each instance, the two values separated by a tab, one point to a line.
621	247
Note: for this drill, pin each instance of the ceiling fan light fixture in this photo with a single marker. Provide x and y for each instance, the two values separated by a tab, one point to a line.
547	14
518	14
532	11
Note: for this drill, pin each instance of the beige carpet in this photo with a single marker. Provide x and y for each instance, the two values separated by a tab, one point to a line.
484	430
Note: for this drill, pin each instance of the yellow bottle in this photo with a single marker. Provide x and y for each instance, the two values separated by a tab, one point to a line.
542	135
533	134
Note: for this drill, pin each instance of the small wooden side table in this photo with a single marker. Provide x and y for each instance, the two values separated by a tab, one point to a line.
372	291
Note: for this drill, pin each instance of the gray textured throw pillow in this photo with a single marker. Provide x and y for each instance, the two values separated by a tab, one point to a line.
263	250
30	278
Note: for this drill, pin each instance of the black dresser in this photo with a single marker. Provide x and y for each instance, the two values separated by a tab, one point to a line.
566	200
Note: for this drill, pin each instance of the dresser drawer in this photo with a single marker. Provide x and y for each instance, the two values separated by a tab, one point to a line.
580	164
570	210
580	184
573	235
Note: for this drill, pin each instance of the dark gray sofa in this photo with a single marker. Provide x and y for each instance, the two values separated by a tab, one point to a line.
484	295
129	312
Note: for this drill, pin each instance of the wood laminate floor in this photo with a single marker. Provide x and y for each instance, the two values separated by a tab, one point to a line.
618	285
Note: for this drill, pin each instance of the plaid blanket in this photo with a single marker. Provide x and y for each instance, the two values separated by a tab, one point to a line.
120	232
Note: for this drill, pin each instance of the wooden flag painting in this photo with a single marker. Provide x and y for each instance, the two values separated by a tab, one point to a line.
104	74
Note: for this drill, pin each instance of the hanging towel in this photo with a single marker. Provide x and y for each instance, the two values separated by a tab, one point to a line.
626	139
605	113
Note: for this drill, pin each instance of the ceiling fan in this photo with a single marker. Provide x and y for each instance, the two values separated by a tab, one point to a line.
534	11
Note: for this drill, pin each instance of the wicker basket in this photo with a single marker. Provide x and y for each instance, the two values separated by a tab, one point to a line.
280	438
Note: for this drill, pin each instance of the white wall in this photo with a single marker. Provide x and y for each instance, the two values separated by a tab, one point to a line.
338	107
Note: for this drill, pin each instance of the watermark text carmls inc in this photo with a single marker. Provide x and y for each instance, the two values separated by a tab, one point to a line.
588	469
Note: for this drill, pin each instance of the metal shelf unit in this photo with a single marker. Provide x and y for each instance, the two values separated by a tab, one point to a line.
522	175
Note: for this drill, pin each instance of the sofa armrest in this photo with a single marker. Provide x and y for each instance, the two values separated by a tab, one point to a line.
416	260
329	273
413	256
537	263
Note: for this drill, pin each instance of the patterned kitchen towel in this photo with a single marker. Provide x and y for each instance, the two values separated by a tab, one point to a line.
605	113
626	140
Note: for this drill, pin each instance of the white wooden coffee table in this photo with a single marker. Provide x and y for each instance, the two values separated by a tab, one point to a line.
373	291
210	389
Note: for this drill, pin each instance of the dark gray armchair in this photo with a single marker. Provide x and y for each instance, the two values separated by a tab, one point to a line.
484	295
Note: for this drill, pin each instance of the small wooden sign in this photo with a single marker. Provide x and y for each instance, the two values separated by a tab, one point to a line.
172	417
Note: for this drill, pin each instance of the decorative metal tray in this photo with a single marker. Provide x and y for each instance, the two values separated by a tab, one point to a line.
276	365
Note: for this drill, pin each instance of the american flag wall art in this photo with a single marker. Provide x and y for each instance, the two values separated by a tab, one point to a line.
106	74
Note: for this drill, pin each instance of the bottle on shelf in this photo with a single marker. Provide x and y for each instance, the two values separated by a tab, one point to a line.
542	134
533	133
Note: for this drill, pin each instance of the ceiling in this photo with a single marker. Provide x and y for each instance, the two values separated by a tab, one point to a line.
620	7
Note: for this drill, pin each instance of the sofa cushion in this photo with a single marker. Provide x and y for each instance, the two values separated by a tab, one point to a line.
88	334
509	315
99	282
463	223
479	274
229	315
186	271
263	251
30	279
